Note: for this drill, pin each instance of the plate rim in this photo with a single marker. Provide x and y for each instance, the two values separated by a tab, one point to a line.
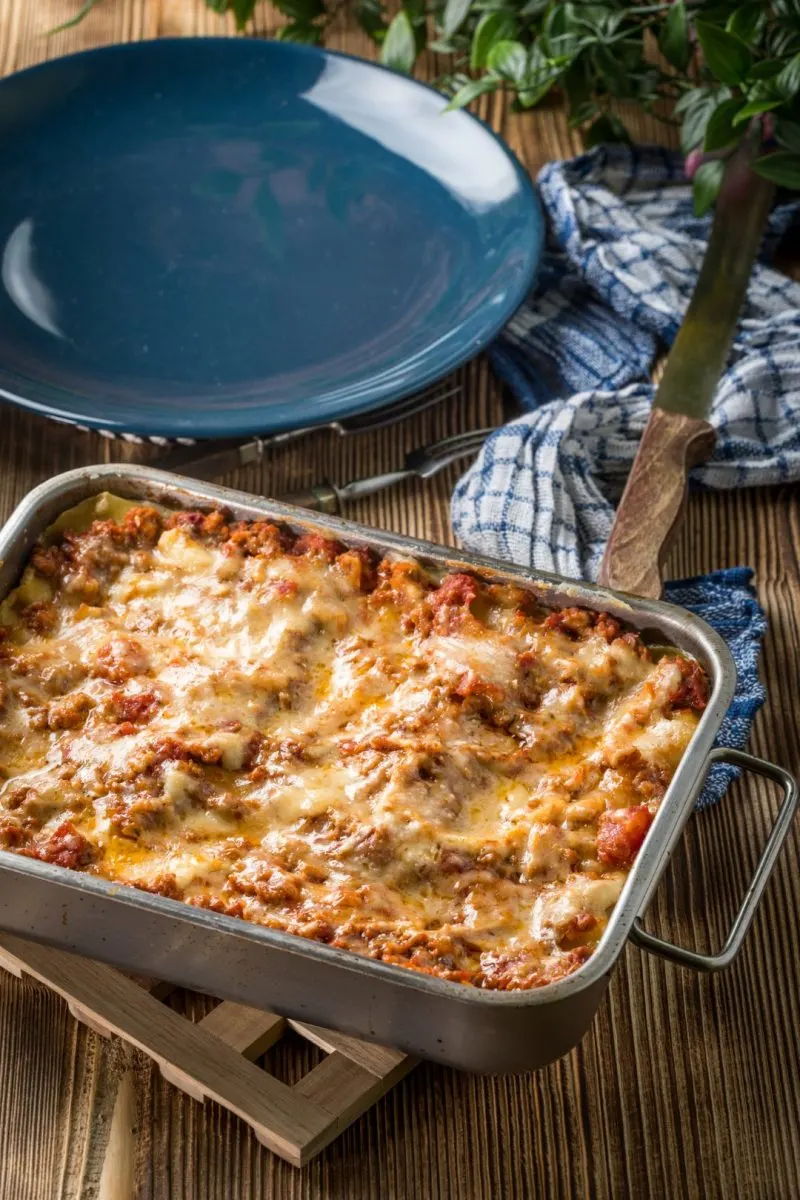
219	422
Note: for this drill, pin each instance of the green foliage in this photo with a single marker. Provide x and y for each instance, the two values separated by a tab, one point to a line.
782	168
706	184
399	46
723	69
721	128
726	55
82	12
673	40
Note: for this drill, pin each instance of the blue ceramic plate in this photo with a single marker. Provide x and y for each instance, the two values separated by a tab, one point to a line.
215	237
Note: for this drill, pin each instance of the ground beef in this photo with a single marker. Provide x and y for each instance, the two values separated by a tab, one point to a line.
40	617
120	660
259	538
47	561
580	622
315	545
133	707
144	524
69	711
213	525
162	885
359	568
269	884
456	591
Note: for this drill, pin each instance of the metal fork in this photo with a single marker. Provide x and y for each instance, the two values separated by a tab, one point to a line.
209	459
421	464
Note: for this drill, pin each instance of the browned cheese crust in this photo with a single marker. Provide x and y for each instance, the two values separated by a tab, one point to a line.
446	776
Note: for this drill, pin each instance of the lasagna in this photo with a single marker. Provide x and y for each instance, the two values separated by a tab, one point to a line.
438	772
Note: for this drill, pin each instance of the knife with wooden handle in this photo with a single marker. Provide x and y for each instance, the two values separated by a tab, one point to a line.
678	434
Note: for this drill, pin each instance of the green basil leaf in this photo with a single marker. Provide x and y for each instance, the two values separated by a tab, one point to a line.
688	99
747	22
787	133
301	34
789	11
674	40
706	184
720	130
493	27
540	75
697	115
454	15
781	42
301	11
470	91
562	33
509	59
726	55
767	69
788	82
606	128
242	11
782	167
599	20
399	48
754	108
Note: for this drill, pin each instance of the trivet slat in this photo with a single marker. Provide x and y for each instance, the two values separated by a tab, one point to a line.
247	1030
213	1058
378	1060
344	1089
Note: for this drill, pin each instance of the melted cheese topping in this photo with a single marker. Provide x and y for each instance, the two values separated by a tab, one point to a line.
442	775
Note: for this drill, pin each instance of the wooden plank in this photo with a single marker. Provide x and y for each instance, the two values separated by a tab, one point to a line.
195	1060
248	1031
117	1180
345	1090
378	1060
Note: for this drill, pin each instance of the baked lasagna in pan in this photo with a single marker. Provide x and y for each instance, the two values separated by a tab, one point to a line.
440	773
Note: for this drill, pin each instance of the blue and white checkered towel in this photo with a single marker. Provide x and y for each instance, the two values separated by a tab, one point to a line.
623	254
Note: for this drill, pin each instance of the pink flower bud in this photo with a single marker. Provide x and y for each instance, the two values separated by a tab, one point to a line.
692	161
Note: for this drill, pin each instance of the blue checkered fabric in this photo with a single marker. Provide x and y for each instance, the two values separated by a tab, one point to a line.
727	601
623	253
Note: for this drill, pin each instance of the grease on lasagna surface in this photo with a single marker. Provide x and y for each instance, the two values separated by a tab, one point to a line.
441	774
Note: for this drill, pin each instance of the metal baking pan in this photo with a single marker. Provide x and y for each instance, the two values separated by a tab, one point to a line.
450	1023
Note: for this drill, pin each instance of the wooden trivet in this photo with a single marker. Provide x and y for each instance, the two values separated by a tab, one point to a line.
214	1057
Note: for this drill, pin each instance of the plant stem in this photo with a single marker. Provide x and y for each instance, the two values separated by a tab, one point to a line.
700	351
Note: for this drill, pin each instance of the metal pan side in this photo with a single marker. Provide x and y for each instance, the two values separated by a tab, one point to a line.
159	937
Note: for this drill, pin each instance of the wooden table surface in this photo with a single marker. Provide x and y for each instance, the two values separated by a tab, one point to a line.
684	1087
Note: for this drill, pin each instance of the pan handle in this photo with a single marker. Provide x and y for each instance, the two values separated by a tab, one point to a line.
779	833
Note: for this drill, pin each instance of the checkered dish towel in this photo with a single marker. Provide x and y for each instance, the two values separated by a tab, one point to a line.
622	259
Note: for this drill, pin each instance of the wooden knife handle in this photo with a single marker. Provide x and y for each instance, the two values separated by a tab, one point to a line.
653	502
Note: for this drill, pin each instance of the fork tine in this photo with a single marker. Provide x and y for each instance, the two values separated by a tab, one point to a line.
432	459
